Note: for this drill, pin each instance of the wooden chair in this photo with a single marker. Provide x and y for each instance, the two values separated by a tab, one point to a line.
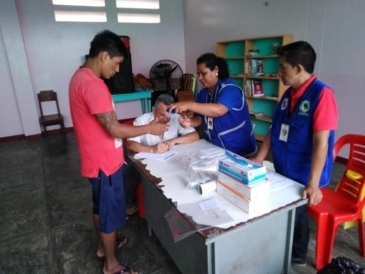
51	119
345	204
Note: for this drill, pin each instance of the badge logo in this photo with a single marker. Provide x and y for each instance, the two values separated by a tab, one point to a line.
284	104
305	106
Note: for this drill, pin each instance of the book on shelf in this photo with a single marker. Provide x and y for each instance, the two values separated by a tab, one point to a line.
256	114
248	67
257	67
257	89
248	88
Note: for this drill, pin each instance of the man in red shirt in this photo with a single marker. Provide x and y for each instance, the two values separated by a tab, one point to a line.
99	137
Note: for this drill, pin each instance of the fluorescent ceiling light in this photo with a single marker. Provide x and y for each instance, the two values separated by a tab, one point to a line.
79	16
138	4
85	3
138	18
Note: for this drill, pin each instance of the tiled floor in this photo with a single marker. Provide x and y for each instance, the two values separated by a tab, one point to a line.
45	217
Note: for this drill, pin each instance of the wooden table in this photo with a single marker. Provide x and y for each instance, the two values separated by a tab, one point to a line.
251	244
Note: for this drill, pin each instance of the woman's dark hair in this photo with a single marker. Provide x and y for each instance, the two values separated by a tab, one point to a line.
211	61
107	41
299	53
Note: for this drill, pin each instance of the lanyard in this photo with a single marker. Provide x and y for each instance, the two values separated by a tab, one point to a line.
213	97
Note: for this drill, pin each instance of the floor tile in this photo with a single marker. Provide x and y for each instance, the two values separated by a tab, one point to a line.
18	153
61	170
70	202
22	178
74	250
22	214
143	253
26	255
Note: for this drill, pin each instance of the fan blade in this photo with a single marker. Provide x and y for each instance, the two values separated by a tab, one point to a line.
171	71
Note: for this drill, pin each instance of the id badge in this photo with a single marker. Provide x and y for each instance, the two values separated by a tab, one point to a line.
210	123
284	133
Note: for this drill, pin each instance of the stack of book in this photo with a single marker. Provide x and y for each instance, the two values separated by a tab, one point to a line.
257	67
243	184
253	88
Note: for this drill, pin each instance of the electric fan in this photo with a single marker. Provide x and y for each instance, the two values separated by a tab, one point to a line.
165	76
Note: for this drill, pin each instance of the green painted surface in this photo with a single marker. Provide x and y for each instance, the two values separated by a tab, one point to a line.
270	87
260	127
271	65
266	45
235	49
235	66
131	96
265	106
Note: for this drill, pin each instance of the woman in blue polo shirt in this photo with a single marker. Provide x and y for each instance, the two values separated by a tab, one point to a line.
221	107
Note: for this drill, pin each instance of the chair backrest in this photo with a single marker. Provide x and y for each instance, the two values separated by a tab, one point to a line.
352	183
46	96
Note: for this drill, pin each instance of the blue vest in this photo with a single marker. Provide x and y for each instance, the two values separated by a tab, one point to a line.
293	158
232	131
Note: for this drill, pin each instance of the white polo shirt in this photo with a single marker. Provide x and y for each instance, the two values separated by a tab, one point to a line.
175	129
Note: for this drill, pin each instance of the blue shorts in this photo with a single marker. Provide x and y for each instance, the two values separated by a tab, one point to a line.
109	200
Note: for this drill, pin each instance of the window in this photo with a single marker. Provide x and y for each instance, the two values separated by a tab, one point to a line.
139	4
84	3
125	17
138	18
79	16
101	16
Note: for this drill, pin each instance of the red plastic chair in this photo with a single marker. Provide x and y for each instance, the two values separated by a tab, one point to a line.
139	189
342	205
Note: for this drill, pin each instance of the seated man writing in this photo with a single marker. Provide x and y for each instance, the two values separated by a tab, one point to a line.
175	134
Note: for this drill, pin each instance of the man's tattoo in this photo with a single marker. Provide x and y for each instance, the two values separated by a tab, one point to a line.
107	119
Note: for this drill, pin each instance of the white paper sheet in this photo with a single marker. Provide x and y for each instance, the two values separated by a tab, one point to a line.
208	212
277	181
211	152
210	205
155	156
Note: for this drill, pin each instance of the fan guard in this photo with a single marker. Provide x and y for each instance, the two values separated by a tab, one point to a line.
166	75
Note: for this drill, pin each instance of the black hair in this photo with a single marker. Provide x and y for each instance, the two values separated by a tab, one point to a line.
211	61
107	41
299	53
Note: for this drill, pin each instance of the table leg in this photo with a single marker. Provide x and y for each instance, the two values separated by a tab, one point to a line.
149	104
143	106
289	241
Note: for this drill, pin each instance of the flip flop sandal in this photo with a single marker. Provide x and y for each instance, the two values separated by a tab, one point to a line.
119	244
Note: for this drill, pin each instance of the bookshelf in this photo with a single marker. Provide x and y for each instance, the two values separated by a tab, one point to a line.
237	53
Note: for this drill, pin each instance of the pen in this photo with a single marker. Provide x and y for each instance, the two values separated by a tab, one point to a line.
169	156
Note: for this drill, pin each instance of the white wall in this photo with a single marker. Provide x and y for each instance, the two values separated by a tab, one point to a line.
55	49
17	90
10	122
335	28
